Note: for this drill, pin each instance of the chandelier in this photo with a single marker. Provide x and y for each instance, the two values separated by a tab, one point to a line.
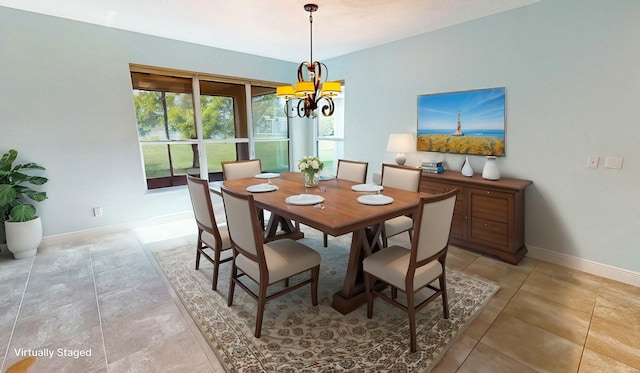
308	95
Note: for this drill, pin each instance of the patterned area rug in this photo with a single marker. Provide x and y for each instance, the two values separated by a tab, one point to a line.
297	337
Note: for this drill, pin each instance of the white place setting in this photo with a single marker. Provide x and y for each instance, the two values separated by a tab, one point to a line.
375	199
261	188
304	199
367	188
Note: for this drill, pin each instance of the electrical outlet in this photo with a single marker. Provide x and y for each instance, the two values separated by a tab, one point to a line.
593	161
613	162
97	211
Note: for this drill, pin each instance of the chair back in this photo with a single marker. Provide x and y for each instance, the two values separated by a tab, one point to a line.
352	171
240	169
242	223
201	203
401	177
432	225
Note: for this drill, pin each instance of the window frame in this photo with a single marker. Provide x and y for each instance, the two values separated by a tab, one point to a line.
244	126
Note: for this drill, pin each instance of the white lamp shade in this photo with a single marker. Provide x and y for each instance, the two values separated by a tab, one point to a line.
401	142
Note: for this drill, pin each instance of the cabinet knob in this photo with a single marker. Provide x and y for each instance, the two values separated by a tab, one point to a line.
486	225
488	193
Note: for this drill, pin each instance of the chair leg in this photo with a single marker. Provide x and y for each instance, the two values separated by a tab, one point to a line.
315	274
411	310
198	251
232	282
324	239
367	287
216	264
445	297
262	300
394	292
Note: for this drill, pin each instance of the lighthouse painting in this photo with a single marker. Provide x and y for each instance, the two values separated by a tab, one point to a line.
466	122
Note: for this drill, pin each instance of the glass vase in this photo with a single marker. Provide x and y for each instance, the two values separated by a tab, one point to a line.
311	180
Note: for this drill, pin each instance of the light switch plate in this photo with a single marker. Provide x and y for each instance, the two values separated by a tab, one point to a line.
613	162
593	161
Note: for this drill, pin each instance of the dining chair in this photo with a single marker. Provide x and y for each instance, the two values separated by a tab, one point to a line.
349	170
401	177
417	268
210	236
352	170
264	263
232	170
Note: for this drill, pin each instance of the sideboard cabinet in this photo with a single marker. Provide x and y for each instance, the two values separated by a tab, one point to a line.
488	216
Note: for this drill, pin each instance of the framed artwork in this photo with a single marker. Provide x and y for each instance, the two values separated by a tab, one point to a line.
465	122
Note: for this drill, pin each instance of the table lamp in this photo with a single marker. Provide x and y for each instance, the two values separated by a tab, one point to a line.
400	143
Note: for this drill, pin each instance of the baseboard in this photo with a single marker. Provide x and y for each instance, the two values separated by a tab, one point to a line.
59	238
584	265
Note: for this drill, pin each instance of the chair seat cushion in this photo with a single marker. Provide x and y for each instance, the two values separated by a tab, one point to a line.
284	258
397	225
210	241
390	265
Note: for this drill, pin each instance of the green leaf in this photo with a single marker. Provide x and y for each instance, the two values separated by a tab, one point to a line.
7	194
9	157
23	213
29	166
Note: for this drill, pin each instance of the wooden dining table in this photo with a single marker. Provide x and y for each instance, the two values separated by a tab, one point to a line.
340	213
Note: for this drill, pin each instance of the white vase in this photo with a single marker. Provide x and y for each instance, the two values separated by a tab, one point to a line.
467	170
490	170
23	238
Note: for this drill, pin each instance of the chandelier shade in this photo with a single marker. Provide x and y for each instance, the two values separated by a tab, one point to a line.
307	96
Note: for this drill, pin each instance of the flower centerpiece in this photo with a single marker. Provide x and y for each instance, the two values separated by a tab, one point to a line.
310	167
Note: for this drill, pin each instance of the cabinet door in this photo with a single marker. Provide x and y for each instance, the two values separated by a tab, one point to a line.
490	217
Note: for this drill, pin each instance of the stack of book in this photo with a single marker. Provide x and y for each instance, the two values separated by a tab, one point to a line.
432	167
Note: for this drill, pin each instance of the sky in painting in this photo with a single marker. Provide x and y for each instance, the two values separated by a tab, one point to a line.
481	109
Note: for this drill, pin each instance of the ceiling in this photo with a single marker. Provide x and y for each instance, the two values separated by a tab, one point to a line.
274	28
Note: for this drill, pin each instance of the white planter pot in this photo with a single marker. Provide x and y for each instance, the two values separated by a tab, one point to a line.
23	238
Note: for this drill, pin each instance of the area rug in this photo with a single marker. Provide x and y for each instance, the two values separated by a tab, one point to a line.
297	337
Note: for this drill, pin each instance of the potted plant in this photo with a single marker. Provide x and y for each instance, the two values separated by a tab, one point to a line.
23	229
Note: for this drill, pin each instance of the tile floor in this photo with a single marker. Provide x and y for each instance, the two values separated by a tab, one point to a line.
101	294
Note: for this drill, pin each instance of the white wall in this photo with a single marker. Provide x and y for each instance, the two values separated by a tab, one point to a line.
572	78
66	103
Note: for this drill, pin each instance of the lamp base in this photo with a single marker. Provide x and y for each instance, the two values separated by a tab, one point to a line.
401	158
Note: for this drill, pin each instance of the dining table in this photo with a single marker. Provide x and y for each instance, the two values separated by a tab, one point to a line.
333	207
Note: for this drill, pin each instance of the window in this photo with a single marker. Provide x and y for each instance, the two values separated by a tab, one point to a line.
178	137
330	136
270	129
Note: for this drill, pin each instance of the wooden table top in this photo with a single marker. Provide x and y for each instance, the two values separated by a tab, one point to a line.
342	213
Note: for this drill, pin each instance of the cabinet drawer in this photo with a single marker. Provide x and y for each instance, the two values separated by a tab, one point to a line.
490	231
439	188
490	205
435	188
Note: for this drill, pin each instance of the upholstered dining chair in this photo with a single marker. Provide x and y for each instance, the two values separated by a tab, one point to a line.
352	170
232	170
413	270
349	170
210	236
401	177
264	263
